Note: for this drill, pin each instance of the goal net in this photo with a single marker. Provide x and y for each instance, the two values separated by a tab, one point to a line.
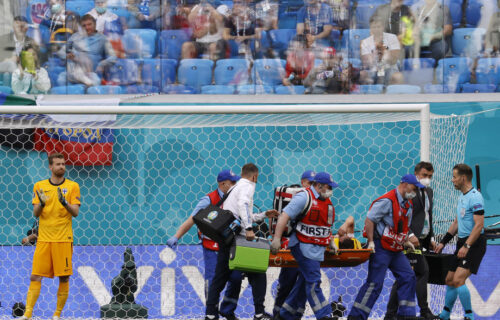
142	170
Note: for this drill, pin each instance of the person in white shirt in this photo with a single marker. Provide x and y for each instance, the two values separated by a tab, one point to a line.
29	77
240	203
102	15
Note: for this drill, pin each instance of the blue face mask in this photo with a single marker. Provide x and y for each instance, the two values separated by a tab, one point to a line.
100	10
55	8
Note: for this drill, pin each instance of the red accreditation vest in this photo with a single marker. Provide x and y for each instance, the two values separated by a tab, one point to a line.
393	239
316	225
206	242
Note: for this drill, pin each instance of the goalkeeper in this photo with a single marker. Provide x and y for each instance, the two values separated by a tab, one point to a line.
55	202
225	180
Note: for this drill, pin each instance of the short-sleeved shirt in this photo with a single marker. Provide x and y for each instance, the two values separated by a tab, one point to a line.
205	202
242	24
389	40
314	20
381	214
293	210
434	19
469	204
55	220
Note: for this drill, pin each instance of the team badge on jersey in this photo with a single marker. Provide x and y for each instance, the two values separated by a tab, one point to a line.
212	215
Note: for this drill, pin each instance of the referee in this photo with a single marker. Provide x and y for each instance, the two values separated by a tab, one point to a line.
471	244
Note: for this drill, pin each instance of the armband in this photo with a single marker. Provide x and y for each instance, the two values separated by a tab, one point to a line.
447	237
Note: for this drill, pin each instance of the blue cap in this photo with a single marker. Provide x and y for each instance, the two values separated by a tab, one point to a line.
412	179
227	175
325	178
309	175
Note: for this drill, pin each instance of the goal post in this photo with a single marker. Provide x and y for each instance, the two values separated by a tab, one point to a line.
142	168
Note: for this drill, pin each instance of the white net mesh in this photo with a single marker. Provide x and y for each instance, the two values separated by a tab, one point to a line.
160	165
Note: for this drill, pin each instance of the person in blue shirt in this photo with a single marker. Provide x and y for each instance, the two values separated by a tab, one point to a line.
225	180
387	230
315	20
471	244
313	214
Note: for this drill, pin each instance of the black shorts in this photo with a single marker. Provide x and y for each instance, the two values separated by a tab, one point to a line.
473	258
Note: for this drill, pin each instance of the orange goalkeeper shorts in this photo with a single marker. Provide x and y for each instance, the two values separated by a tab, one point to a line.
53	259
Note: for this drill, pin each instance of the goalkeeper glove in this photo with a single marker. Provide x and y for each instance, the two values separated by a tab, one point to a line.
42	197
172	242
61	197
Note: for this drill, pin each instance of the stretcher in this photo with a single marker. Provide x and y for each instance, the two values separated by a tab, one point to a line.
344	258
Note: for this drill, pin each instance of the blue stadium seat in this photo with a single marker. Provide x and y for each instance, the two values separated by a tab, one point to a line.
281	89
178	89
402	88
72	89
453	71
369	89
268	71
80	7
195	72
287	20
231	71
335	38
123	72
168	71
233	47
5	78
139	43
171	43
455	7
228	3
140	89
467	42
478	88
474	10
439	88
54	72
120	11
218	89
356	63
265	40
254	89
5	89
280	39
418	71
488	71
363	12
351	41
104	90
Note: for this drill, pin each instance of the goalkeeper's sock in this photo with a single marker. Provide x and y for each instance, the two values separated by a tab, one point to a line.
62	296
449	301
33	293
464	295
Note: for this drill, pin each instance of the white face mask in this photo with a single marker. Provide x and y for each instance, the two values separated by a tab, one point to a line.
425	181
410	195
327	194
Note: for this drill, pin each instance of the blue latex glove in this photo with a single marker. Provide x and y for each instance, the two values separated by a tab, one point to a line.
172	242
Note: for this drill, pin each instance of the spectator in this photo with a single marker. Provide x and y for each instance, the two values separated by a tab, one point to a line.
207	25
13	43
379	55
144	14
433	26
315	20
55	16
299	62
240	27
331	76
492	38
340	11
60	39
29	77
266	13
399	20
89	53
102	15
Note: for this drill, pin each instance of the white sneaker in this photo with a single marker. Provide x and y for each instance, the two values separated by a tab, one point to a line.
56	318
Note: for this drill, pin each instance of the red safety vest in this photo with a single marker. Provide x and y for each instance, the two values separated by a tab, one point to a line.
206	242
316	225
392	240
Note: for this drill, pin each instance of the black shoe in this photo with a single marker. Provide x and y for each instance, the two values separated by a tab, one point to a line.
428	315
390	317
262	316
229	316
338	309
214	318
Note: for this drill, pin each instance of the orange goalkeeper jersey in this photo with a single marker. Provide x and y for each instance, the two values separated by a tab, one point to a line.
55	220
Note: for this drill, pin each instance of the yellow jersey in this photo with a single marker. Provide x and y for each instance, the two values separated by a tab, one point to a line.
55	220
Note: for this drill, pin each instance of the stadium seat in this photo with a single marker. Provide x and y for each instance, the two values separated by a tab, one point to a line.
467	42
455	12
171	43
178	89
231	71
233	48
363	12
54	72
287	20
453	71
402	88
268	71
473	12
195	72
140	89
418	71
80	7
228	3
254	89
356	63
335	38
439	88
104	90
5	78
120	11
281	89
72	89
369	89
280	39
351	41
488	71
139	43
123	72
218	89
478	88
6	90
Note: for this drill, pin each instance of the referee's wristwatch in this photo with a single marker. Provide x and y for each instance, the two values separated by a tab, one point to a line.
466	245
